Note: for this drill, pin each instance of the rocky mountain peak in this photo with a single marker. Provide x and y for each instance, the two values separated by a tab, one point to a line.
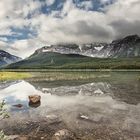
7	58
128	39
128	46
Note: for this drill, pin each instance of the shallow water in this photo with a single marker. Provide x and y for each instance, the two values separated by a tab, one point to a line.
100	106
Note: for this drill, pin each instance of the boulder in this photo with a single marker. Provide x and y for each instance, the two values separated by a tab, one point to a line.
34	99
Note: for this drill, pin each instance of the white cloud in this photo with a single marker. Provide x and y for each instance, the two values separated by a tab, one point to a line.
107	2
24	48
49	2
104	1
3	44
74	25
3	39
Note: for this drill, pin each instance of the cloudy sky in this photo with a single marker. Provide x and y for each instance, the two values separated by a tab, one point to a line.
26	25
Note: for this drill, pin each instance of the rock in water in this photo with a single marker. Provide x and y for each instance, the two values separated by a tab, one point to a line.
16	137
34	105
18	105
64	134
34	99
53	119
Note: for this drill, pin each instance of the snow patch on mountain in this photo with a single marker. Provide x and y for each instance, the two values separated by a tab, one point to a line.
126	47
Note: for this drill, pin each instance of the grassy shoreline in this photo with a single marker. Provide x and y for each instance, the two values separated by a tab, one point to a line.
69	70
5	75
18	74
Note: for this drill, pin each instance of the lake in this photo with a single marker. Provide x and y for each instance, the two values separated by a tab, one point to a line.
92	105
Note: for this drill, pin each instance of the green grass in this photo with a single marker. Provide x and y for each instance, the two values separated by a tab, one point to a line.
14	75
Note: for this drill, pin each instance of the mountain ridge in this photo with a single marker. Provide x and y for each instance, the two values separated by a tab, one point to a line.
7	58
126	47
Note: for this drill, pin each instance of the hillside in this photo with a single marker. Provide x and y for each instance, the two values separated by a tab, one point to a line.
52	60
49	60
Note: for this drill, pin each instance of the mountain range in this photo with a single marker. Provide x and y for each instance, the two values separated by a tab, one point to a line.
122	53
6	58
126	47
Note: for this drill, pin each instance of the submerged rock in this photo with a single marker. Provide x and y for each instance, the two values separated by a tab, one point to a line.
16	137
63	134
53	119
98	92
84	117
18	105
12	137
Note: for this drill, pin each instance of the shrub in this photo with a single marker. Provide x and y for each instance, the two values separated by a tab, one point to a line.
3	115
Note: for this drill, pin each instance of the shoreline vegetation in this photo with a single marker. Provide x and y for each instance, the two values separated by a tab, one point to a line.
56	75
69	70
14	75
55	61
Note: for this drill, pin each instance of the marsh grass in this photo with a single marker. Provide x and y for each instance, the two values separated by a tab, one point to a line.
14	75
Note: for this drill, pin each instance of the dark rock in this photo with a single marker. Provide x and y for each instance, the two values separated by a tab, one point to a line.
34	105
34	99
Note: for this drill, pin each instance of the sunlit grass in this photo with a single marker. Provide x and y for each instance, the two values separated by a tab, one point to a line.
14	75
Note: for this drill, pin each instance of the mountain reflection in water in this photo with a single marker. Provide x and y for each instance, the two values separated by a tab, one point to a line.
104	103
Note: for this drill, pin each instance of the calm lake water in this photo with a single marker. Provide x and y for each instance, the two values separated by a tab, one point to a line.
93	105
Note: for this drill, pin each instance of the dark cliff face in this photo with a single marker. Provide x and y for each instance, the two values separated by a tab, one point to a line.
7	58
129	39
126	47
